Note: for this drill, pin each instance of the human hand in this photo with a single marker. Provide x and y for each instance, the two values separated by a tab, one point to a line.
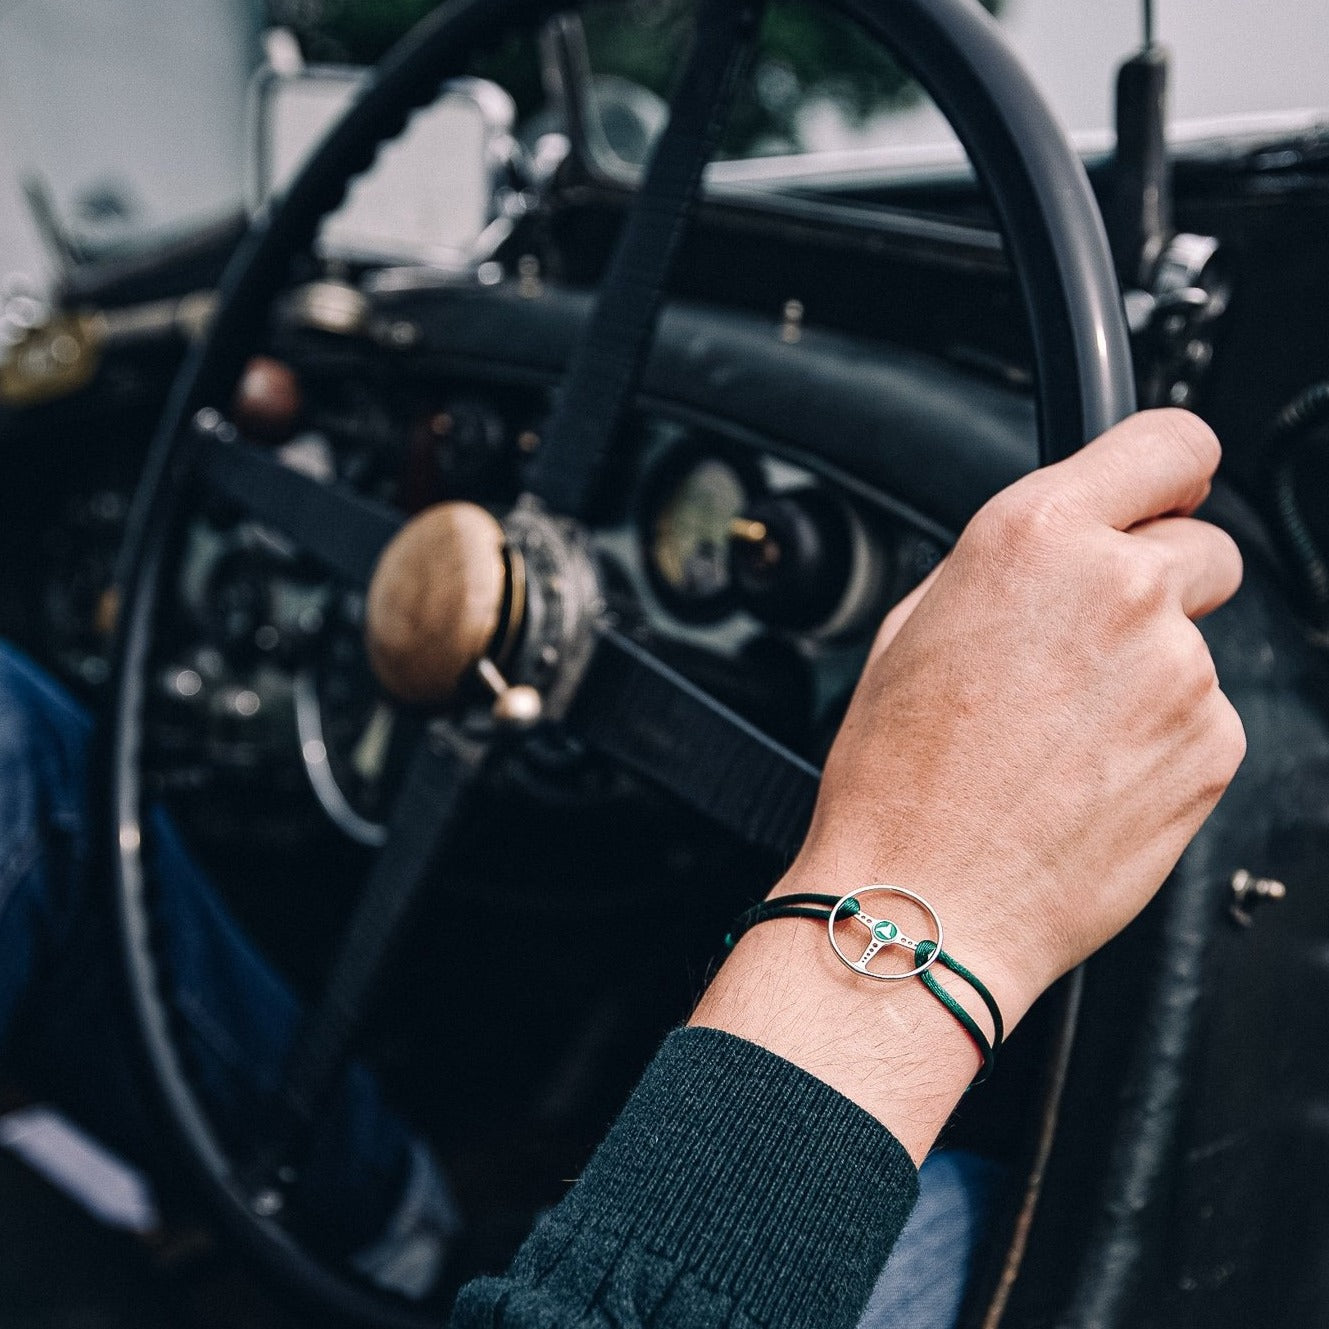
1040	731
1038	734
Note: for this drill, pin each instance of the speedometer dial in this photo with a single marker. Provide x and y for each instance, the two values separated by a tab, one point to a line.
691	506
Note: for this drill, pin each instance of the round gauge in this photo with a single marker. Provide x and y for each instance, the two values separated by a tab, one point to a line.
691	505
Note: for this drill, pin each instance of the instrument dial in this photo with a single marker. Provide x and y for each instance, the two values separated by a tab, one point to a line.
691	505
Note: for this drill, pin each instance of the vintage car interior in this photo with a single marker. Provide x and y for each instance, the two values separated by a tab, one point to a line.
681	437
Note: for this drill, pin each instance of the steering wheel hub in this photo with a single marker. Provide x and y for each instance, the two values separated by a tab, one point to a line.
456	588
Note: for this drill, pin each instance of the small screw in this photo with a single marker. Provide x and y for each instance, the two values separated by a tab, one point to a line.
1248	890
65	350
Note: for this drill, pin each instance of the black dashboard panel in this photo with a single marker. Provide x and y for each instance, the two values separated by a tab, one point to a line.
932	441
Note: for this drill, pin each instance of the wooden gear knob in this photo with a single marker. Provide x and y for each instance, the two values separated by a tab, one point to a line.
436	601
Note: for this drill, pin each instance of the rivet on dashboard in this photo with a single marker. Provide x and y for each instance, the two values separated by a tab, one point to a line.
791	330
528	271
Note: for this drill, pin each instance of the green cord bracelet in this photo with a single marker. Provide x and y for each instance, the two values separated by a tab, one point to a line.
831	909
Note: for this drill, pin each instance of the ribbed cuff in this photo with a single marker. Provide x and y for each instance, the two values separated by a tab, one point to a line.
753	1178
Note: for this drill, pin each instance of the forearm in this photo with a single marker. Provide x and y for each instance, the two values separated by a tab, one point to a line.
734	1190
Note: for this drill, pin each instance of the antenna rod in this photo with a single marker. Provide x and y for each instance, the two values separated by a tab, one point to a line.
1140	216
1148	23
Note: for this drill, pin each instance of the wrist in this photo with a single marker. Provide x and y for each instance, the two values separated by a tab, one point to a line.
977	930
893	1048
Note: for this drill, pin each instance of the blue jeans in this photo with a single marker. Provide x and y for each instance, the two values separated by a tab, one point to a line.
62	1025
924	1282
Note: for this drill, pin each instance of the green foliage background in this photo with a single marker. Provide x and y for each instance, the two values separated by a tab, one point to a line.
805	52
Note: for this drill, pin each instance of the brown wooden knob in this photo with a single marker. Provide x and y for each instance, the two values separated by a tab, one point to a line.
435	601
267	400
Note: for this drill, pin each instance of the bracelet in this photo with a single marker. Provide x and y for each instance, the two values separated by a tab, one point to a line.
882	932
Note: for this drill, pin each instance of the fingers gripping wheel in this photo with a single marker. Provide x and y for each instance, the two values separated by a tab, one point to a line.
1055	238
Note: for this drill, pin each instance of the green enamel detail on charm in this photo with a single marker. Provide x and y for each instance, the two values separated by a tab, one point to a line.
885	930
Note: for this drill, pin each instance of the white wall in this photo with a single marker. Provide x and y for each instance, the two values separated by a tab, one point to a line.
144	97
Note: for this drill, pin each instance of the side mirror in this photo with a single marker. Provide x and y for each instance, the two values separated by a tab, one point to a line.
433	197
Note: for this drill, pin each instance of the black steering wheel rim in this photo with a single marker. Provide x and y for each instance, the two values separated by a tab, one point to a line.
1083	368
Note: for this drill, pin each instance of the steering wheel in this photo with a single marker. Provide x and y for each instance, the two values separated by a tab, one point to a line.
457	592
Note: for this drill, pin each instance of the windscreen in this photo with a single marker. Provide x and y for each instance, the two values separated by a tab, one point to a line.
821	88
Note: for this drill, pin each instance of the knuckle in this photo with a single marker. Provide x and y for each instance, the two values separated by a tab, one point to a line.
1231	733
1188	434
889	629
1226	744
1225	547
1139	579
1228	553
1024	518
1194	664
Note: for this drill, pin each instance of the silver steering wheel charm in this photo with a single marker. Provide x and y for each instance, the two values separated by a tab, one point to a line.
881	932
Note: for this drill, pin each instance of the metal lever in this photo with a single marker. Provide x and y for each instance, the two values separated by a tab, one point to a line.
516	707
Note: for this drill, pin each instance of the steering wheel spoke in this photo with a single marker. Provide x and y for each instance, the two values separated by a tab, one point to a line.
607	364
341	530
636	709
437	779
863	919
869	952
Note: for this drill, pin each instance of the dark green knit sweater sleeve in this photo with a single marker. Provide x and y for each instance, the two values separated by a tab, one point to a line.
734	1189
